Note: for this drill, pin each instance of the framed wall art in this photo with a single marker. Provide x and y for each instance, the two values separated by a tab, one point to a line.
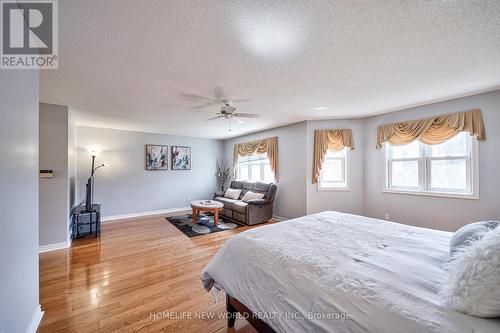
181	158
156	157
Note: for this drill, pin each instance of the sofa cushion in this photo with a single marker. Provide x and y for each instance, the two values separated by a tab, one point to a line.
226	202
240	207
261	186
227	213
247	185
237	184
239	217
257	202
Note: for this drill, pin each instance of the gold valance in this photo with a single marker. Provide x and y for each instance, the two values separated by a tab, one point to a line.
268	145
325	140
434	130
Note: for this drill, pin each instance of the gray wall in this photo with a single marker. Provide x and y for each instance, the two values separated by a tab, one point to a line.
126	187
435	212
291	197
350	201
54	192
18	199
72	190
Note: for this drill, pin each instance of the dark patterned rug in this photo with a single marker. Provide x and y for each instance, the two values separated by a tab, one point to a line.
205	224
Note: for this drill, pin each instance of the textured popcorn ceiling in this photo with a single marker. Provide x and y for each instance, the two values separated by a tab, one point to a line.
124	64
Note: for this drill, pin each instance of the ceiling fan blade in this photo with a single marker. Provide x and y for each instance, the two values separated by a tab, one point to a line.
195	97
204	105
213	118
229	101
247	115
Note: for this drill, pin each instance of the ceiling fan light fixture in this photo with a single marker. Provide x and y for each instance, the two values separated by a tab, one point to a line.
229	112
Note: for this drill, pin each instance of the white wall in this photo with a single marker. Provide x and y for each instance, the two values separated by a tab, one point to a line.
19	306
54	193
126	187
291	196
434	212
350	201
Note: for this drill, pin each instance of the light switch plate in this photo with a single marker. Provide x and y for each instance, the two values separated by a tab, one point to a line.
46	173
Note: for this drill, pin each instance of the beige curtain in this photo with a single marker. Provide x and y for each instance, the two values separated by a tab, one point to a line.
433	130
268	145
325	140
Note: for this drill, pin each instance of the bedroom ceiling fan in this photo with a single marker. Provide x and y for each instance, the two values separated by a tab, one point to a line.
227	111
230	112
218	98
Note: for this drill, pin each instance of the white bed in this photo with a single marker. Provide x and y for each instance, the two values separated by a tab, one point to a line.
385	276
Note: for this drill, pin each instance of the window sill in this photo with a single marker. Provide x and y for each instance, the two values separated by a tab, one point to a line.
434	194
334	189
253	181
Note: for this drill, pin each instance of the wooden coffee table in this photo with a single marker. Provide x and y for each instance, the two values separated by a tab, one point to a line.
206	206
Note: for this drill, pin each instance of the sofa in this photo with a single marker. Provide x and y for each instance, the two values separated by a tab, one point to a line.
251	212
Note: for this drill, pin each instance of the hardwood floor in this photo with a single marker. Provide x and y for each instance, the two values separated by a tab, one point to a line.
142	275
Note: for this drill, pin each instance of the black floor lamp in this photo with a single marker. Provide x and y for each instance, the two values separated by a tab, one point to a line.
90	182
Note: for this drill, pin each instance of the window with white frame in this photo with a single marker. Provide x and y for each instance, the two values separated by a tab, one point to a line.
255	168
448	169
334	171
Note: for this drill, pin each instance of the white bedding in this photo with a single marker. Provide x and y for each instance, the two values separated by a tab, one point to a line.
385	276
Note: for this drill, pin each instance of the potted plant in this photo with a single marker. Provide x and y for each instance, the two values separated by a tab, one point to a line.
222	173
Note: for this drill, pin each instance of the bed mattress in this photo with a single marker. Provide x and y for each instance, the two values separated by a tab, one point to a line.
335	272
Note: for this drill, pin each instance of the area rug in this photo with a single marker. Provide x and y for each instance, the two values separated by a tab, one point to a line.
204	225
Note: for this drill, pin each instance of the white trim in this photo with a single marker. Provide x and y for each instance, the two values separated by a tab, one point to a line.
473	160
334	189
434	194
36	318
55	246
258	159
147	213
279	218
347	175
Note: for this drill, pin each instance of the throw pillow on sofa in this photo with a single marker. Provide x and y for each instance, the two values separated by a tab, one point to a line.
252	196
232	193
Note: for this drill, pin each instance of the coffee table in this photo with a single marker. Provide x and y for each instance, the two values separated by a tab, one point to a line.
206	206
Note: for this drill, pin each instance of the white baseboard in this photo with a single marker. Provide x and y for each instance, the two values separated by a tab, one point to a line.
140	214
279	218
36	318
55	246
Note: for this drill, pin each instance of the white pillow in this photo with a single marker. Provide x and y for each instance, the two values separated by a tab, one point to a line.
232	193
251	196
473	285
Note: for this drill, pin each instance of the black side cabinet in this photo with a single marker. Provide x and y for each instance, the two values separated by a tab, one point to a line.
85	222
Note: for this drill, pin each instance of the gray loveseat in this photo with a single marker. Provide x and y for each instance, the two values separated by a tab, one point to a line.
251	212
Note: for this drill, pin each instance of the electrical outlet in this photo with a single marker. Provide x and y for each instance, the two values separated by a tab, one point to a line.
387	217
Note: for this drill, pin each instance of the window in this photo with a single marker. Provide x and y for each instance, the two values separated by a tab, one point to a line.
448	169
333	174
255	168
